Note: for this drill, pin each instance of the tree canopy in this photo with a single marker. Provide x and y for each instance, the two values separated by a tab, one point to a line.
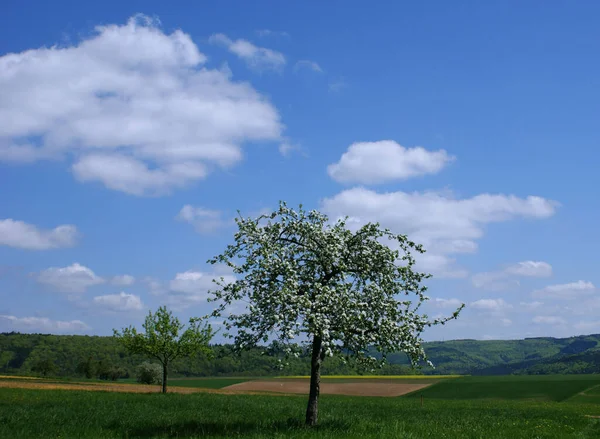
304	278
164	340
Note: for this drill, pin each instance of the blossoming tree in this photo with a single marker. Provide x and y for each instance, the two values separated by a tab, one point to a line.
304	278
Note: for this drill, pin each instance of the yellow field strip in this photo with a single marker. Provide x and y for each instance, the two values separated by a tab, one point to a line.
378	377
125	388
15	377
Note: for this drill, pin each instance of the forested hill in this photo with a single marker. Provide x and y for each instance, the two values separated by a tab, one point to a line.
76	355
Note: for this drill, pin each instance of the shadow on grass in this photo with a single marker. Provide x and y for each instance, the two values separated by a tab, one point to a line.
199	428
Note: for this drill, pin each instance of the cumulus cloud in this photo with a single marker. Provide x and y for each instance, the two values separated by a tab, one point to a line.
191	287
20	234
530	269
75	278
133	107
123	280
258	58
308	65
573	290
205	221
549	320
384	161
155	287
504	279
42	324
444	224
119	302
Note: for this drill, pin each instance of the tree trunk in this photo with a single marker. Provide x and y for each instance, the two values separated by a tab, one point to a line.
164	380
312	410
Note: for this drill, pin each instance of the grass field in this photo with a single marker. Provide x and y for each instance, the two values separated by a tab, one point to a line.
466	407
521	387
75	414
588	396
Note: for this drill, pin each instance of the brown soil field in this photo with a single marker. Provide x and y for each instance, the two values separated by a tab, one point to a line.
275	387
102	387
117	387
328	388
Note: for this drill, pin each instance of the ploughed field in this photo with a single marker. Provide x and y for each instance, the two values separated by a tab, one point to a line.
369	386
551	406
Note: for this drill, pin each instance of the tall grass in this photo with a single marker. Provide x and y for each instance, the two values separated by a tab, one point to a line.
73	414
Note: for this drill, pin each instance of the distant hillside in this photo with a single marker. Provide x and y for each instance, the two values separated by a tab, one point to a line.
499	357
584	362
72	355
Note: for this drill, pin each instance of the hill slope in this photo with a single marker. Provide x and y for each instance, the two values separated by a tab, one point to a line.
20	353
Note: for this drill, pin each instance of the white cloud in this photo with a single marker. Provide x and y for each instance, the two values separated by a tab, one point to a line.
493	281
126	174
384	161
549	320
287	147
271	33
444	224
530	306
192	287
19	234
308	64
502	280
337	85
205	221
42	324
490	305
135	108
446	303
192	282
72	279
506	322
588	326
119	302
123	280
258	58
571	290
530	269
155	287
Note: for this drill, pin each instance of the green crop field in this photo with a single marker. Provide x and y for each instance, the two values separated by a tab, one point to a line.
589	396
523	387
466	407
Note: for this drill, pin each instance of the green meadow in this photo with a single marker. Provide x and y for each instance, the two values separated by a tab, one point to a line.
466	407
511	387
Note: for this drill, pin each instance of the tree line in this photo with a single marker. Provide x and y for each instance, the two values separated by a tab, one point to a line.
97	357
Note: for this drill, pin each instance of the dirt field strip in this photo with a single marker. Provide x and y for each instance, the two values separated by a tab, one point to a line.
256	387
16	377
125	388
133	388
350	389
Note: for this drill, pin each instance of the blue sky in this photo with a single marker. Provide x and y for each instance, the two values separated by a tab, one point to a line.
128	142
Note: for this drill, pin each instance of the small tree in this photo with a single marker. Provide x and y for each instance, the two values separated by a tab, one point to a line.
87	367
5	358
45	367
345	291
149	373
164	340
